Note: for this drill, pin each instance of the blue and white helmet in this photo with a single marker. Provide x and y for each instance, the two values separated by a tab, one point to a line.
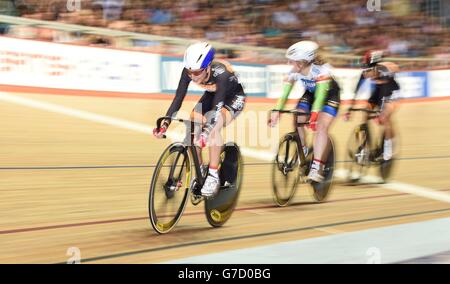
198	56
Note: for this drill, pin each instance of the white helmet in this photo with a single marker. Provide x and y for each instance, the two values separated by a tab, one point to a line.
302	50
198	56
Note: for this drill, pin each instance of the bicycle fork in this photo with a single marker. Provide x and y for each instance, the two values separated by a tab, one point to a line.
363	153
174	182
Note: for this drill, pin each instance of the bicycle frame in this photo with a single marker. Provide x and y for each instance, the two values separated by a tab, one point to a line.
300	145
371	114
219	208
188	144
321	189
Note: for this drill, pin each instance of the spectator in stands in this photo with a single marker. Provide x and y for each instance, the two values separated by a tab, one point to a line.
344	26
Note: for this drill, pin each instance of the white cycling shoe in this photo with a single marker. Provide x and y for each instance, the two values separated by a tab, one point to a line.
211	186
315	175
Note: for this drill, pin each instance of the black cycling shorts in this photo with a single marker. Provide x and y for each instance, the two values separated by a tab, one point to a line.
383	93
234	104
332	100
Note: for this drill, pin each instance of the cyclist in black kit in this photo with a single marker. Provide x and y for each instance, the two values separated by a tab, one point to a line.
222	102
384	90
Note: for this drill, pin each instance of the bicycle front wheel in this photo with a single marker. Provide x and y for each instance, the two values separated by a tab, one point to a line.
169	189
286	170
359	153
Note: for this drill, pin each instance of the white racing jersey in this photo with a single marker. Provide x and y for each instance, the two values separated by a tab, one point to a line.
318	73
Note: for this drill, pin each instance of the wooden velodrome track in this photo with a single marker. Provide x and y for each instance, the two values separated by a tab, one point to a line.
68	181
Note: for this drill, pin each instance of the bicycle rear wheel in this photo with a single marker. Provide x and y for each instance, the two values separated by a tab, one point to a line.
286	170
322	189
386	166
169	189
219	209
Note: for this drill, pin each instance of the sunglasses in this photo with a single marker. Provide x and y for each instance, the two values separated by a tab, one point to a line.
368	69
196	72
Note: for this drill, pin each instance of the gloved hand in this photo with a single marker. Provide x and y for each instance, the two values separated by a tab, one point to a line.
313	120
346	116
160	133
380	119
273	120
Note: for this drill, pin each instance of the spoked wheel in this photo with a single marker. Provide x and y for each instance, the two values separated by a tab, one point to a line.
322	189
286	170
359	153
169	189
219	209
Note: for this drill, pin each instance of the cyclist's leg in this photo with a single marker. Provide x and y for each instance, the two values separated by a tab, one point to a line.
326	117
200	118
224	117
386	114
215	138
232	108
304	105
198	115
324	122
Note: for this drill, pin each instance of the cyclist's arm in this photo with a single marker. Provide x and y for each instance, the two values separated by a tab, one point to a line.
360	83
180	93
288	85
358	87
322	87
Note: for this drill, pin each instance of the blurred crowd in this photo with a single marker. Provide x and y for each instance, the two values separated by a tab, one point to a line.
405	28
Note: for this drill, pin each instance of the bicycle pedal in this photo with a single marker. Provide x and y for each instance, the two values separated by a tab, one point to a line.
227	186
196	199
195	189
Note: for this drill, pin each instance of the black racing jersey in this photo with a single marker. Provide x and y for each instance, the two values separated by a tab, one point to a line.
222	82
380	90
383	91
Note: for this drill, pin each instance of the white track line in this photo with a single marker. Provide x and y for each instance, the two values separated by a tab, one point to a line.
248	152
343	174
55	108
112	121
401	187
417	190
260	212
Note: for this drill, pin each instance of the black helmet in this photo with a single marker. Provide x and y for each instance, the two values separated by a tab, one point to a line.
371	58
